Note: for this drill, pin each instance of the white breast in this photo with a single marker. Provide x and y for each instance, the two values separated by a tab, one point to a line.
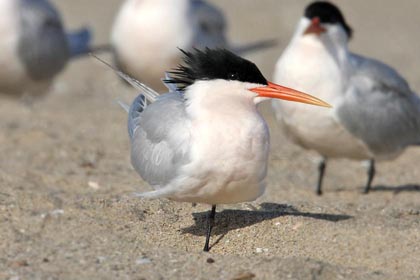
12	72
307	66
146	36
229	153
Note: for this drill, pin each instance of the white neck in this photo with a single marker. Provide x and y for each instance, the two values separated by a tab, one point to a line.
310	59
334	41
220	99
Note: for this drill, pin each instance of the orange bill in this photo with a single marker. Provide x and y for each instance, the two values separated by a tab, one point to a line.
280	92
315	27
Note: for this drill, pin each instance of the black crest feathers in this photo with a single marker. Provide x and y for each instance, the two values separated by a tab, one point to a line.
211	64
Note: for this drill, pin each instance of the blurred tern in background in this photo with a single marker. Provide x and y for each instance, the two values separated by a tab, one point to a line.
376	115
34	46
204	141
147	34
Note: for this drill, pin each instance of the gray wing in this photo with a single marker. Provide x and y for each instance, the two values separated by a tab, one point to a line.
380	108
210	30
160	140
209	25
43	47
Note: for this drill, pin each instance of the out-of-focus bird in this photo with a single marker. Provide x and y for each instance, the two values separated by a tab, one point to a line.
205	141
147	34
376	115
34	46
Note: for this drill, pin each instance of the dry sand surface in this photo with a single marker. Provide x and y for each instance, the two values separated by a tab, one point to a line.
66	183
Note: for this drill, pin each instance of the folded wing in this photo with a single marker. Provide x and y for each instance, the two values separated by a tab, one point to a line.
380	108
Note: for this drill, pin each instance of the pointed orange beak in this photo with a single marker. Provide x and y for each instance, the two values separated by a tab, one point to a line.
315	27
276	91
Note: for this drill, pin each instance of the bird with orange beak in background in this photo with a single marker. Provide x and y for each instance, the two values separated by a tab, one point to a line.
376	115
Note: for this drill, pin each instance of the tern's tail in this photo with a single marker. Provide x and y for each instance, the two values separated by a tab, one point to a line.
150	94
146	96
79	42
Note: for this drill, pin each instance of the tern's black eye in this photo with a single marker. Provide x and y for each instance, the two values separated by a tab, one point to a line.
233	76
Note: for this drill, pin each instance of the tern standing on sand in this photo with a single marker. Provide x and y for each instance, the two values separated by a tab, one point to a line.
34	46
205	141
147	34
376	115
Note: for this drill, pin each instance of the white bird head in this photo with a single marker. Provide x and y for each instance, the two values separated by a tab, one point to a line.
324	21
211	72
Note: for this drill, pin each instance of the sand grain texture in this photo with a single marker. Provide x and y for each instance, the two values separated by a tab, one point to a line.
66	210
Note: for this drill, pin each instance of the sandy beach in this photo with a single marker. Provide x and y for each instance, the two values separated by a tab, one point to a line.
66	182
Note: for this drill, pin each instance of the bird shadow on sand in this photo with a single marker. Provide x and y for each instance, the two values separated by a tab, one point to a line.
228	220
396	189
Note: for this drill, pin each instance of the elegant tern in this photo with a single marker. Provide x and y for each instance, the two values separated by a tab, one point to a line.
205	141
376	115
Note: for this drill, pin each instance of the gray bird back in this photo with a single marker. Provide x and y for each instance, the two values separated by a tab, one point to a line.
380	108
43	46
160	137
210	25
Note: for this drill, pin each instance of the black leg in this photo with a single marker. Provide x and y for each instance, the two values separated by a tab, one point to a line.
321	171
210	223
371	175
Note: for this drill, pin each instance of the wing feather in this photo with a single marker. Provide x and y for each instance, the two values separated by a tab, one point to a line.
380	108
209	24
160	139
43	46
